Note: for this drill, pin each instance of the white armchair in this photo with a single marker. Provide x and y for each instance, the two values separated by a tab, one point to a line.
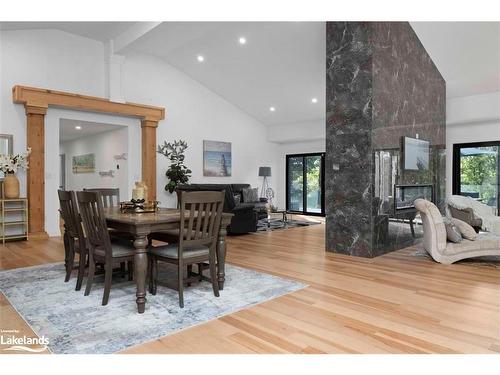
448	252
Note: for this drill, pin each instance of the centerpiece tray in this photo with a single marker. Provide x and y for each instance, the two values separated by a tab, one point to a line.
138	206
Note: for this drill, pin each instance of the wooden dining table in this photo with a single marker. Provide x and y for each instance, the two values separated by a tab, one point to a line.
140	225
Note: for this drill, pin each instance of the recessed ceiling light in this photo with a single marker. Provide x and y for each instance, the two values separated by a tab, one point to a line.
78	127
200	58
242	40
272	109
314	100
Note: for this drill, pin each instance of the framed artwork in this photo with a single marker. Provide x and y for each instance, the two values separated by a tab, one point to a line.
84	163
216	159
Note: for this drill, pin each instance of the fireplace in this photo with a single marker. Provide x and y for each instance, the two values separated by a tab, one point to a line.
405	195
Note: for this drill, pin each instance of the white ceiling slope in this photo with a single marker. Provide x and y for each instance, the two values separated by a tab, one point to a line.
68	131
102	31
466	53
281	65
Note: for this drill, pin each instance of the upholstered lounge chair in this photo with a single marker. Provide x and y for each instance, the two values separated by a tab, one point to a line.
448	252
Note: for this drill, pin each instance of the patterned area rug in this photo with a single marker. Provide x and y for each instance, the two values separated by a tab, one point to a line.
274	224
486	261
74	323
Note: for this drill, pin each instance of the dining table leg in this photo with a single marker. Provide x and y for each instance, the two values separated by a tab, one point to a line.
221	253
140	270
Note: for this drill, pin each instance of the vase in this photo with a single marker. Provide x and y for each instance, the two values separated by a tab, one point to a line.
11	186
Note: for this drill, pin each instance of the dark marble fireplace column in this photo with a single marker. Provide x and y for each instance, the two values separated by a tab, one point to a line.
381	86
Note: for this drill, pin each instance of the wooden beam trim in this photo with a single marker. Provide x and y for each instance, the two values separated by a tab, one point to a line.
36	97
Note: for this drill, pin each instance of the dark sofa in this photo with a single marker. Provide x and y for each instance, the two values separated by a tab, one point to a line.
246	214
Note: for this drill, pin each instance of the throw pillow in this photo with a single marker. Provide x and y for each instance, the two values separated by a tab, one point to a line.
250	195
452	232
465	229
237	198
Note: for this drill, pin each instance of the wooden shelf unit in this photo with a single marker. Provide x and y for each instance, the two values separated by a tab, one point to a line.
13	219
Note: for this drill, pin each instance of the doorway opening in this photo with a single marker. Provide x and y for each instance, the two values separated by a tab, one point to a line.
305	183
93	155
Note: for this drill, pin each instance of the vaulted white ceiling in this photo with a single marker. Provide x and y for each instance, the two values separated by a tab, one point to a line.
466	53
102	31
282	64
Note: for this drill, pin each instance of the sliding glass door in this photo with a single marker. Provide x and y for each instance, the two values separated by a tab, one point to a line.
476	172
305	183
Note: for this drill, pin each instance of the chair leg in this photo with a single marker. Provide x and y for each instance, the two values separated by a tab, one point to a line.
81	269
180	279
130	266
200	271
108	274
71	259
122	269
213	273
189	273
90	277
154	275
150	273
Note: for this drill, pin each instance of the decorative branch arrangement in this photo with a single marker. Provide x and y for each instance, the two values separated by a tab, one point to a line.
177	173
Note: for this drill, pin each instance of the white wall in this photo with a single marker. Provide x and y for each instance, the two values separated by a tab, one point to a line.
194	113
47	59
470	119
298	132
104	146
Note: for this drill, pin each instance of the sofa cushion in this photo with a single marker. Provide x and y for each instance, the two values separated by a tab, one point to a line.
465	229
452	232
250	195
484	241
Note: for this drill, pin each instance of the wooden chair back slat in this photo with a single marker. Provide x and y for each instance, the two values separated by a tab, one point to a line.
110	196
199	219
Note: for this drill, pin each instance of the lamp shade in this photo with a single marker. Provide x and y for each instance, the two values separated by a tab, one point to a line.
264	171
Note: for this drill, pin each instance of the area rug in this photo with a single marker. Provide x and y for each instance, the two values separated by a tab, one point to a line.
263	225
78	324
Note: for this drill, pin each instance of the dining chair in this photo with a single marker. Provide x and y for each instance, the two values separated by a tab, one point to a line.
110	196
101	249
74	238
200	218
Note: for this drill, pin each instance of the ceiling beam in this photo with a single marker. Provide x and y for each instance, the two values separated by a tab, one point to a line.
43	98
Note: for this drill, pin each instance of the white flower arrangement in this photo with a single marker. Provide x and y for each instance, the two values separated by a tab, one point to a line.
13	163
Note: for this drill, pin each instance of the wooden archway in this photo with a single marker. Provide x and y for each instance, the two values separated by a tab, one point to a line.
36	103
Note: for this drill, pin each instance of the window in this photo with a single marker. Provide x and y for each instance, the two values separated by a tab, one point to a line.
305	183
476	171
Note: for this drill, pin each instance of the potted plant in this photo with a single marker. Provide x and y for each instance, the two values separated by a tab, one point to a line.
9	165
177	173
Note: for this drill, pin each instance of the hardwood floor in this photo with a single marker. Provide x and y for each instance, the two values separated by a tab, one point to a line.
396	303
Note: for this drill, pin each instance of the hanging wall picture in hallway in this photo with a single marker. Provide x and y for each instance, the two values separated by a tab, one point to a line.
84	163
216	159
